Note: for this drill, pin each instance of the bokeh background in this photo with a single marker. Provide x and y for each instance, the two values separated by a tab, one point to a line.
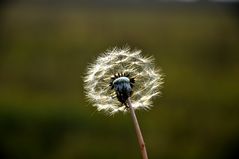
45	46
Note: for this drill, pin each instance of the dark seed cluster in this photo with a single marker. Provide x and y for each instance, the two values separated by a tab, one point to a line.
123	85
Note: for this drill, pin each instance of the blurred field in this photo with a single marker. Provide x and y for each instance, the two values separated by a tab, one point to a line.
43	56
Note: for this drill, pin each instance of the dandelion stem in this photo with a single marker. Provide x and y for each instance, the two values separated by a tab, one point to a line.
138	131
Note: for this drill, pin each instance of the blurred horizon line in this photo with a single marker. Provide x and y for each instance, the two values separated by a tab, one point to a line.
124	3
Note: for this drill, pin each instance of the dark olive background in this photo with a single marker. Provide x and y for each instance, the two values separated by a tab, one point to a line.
45	47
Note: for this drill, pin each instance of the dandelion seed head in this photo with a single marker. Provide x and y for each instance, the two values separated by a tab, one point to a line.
105	76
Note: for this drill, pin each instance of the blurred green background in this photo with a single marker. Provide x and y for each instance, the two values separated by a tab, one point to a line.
45	47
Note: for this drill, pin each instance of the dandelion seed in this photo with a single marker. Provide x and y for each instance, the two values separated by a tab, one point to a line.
119	74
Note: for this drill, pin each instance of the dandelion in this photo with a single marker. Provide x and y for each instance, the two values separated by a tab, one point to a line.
136	73
122	80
